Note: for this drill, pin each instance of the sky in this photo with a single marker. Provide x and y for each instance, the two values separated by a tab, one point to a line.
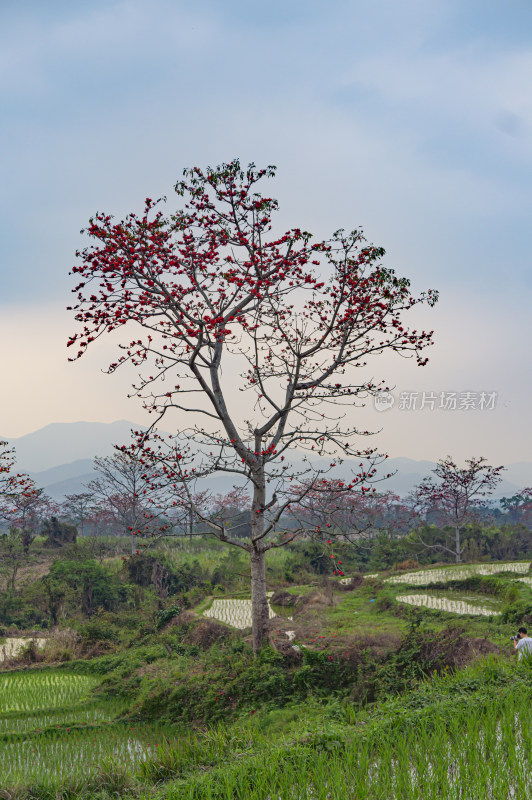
409	118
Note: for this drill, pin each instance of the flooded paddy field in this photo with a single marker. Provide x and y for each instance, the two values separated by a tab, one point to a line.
234	612
425	577
474	605
51	728
11	646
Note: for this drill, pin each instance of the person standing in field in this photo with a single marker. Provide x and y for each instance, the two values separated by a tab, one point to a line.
523	644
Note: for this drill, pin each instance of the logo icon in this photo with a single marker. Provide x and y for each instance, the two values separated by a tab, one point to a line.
383	401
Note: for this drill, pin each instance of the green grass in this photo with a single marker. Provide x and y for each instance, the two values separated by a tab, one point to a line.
465	736
360	613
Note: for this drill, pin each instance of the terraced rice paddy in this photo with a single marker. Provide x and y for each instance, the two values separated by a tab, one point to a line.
453	606
51	728
236	613
72	752
11	647
22	691
36	701
347	581
425	577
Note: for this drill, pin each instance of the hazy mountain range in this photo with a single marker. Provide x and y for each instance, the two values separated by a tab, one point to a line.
59	458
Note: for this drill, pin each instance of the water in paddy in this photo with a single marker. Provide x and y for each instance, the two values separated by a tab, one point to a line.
234	612
425	577
454	606
11	647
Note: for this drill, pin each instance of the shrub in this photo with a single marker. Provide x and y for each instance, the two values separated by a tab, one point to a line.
93	585
58	533
408	563
517	613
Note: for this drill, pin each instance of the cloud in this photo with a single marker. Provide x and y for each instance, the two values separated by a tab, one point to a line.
462	89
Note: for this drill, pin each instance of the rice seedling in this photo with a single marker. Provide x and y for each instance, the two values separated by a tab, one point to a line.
425	577
28	691
51	730
36	701
52	756
479	751
236	613
449	749
450	604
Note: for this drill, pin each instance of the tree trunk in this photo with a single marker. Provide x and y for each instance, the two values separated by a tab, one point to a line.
259	600
13	576
457	544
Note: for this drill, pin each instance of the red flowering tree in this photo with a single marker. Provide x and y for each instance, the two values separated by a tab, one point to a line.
12	483
519	507
352	516
122	488
22	504
181	515
336	511
26	511
455	497
79	508
232	511
218	305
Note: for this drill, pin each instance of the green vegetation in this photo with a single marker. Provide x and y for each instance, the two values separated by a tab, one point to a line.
137	694
457	735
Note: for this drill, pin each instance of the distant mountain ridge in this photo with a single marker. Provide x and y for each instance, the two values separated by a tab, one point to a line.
59	458
62	443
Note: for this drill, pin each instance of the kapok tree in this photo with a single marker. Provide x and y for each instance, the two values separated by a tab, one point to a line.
26	512
122	488
218	305
79	507
232	511
339	513
519	507
180	512
455	497
12	483
22	504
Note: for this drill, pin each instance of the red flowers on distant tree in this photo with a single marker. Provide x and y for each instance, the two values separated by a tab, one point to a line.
455	498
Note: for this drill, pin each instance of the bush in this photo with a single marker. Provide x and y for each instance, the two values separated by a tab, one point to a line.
93	585
408	563
150	569
517	613
98	630
58	533
165	615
